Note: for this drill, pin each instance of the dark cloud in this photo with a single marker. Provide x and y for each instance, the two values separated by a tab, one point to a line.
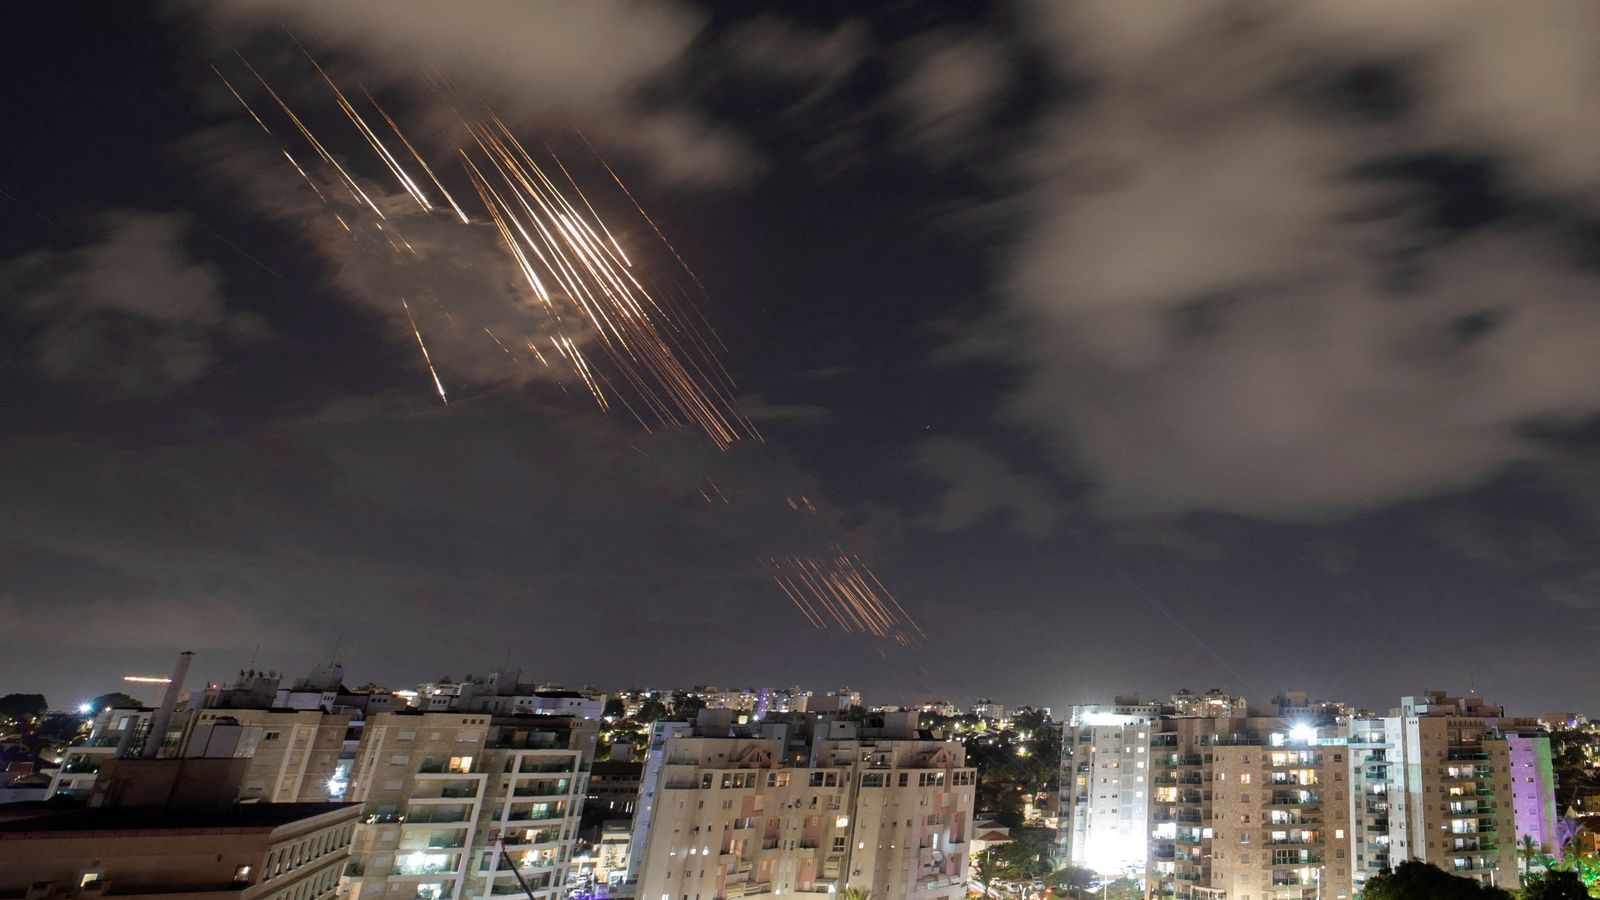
380	519
948	89
599	66
1227	299
978	486
132	310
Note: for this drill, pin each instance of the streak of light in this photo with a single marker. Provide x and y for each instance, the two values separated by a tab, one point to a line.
425	357
241	100
349	182
366	132
844	590
631	345
219	236
309	182
642	213
417	156
716	491
500	345
147	679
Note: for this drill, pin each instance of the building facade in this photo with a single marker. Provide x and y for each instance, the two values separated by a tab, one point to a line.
467	804
1437	782
1105	789
737	812
1248	808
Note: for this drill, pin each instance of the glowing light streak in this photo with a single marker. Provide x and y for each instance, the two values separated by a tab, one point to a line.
425	357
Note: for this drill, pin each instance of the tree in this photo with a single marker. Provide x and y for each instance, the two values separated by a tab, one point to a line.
650	710
1028	720
1554	886
615	708
1414	880
986	868
1527	848
1124	889
1074	881
1025	858
22	709
855	893
686	705
114	700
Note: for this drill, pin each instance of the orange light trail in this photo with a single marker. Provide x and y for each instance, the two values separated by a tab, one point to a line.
425	357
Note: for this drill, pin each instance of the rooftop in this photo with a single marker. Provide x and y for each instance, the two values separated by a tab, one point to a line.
41	819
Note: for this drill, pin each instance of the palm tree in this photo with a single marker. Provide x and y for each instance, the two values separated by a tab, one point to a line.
986	868
854	893
1528	849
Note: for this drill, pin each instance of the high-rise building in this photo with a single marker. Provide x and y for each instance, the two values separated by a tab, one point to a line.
1105	787
1533	789
1248	808
1450	781
459	804
805	808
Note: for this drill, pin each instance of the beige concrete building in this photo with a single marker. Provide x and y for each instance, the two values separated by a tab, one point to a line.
875	807
1249	808
1435	782
115	731
253	852
462	804
294	754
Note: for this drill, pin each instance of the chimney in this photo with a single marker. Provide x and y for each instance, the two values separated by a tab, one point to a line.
169	702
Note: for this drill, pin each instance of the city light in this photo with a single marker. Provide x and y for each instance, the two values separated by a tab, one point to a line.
84	709
1302	733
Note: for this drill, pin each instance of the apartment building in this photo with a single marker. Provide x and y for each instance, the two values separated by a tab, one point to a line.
1533	789
114	731
463	804
806	807
1249	808
1450	781
504	693
1105	787
842	700
294	754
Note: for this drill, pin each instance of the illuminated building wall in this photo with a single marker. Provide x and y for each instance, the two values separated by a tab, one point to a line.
735	813
1533	789
1105	790
460	804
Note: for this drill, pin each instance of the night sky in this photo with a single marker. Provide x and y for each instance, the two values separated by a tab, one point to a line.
1134	348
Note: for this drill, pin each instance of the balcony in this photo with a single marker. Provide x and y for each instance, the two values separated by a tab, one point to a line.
438	816
1296	800
522	816
406	871
431	767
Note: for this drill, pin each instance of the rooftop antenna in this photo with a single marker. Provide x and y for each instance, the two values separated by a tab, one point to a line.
253	654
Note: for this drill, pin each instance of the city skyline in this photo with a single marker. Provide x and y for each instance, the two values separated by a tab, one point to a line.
1027	351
